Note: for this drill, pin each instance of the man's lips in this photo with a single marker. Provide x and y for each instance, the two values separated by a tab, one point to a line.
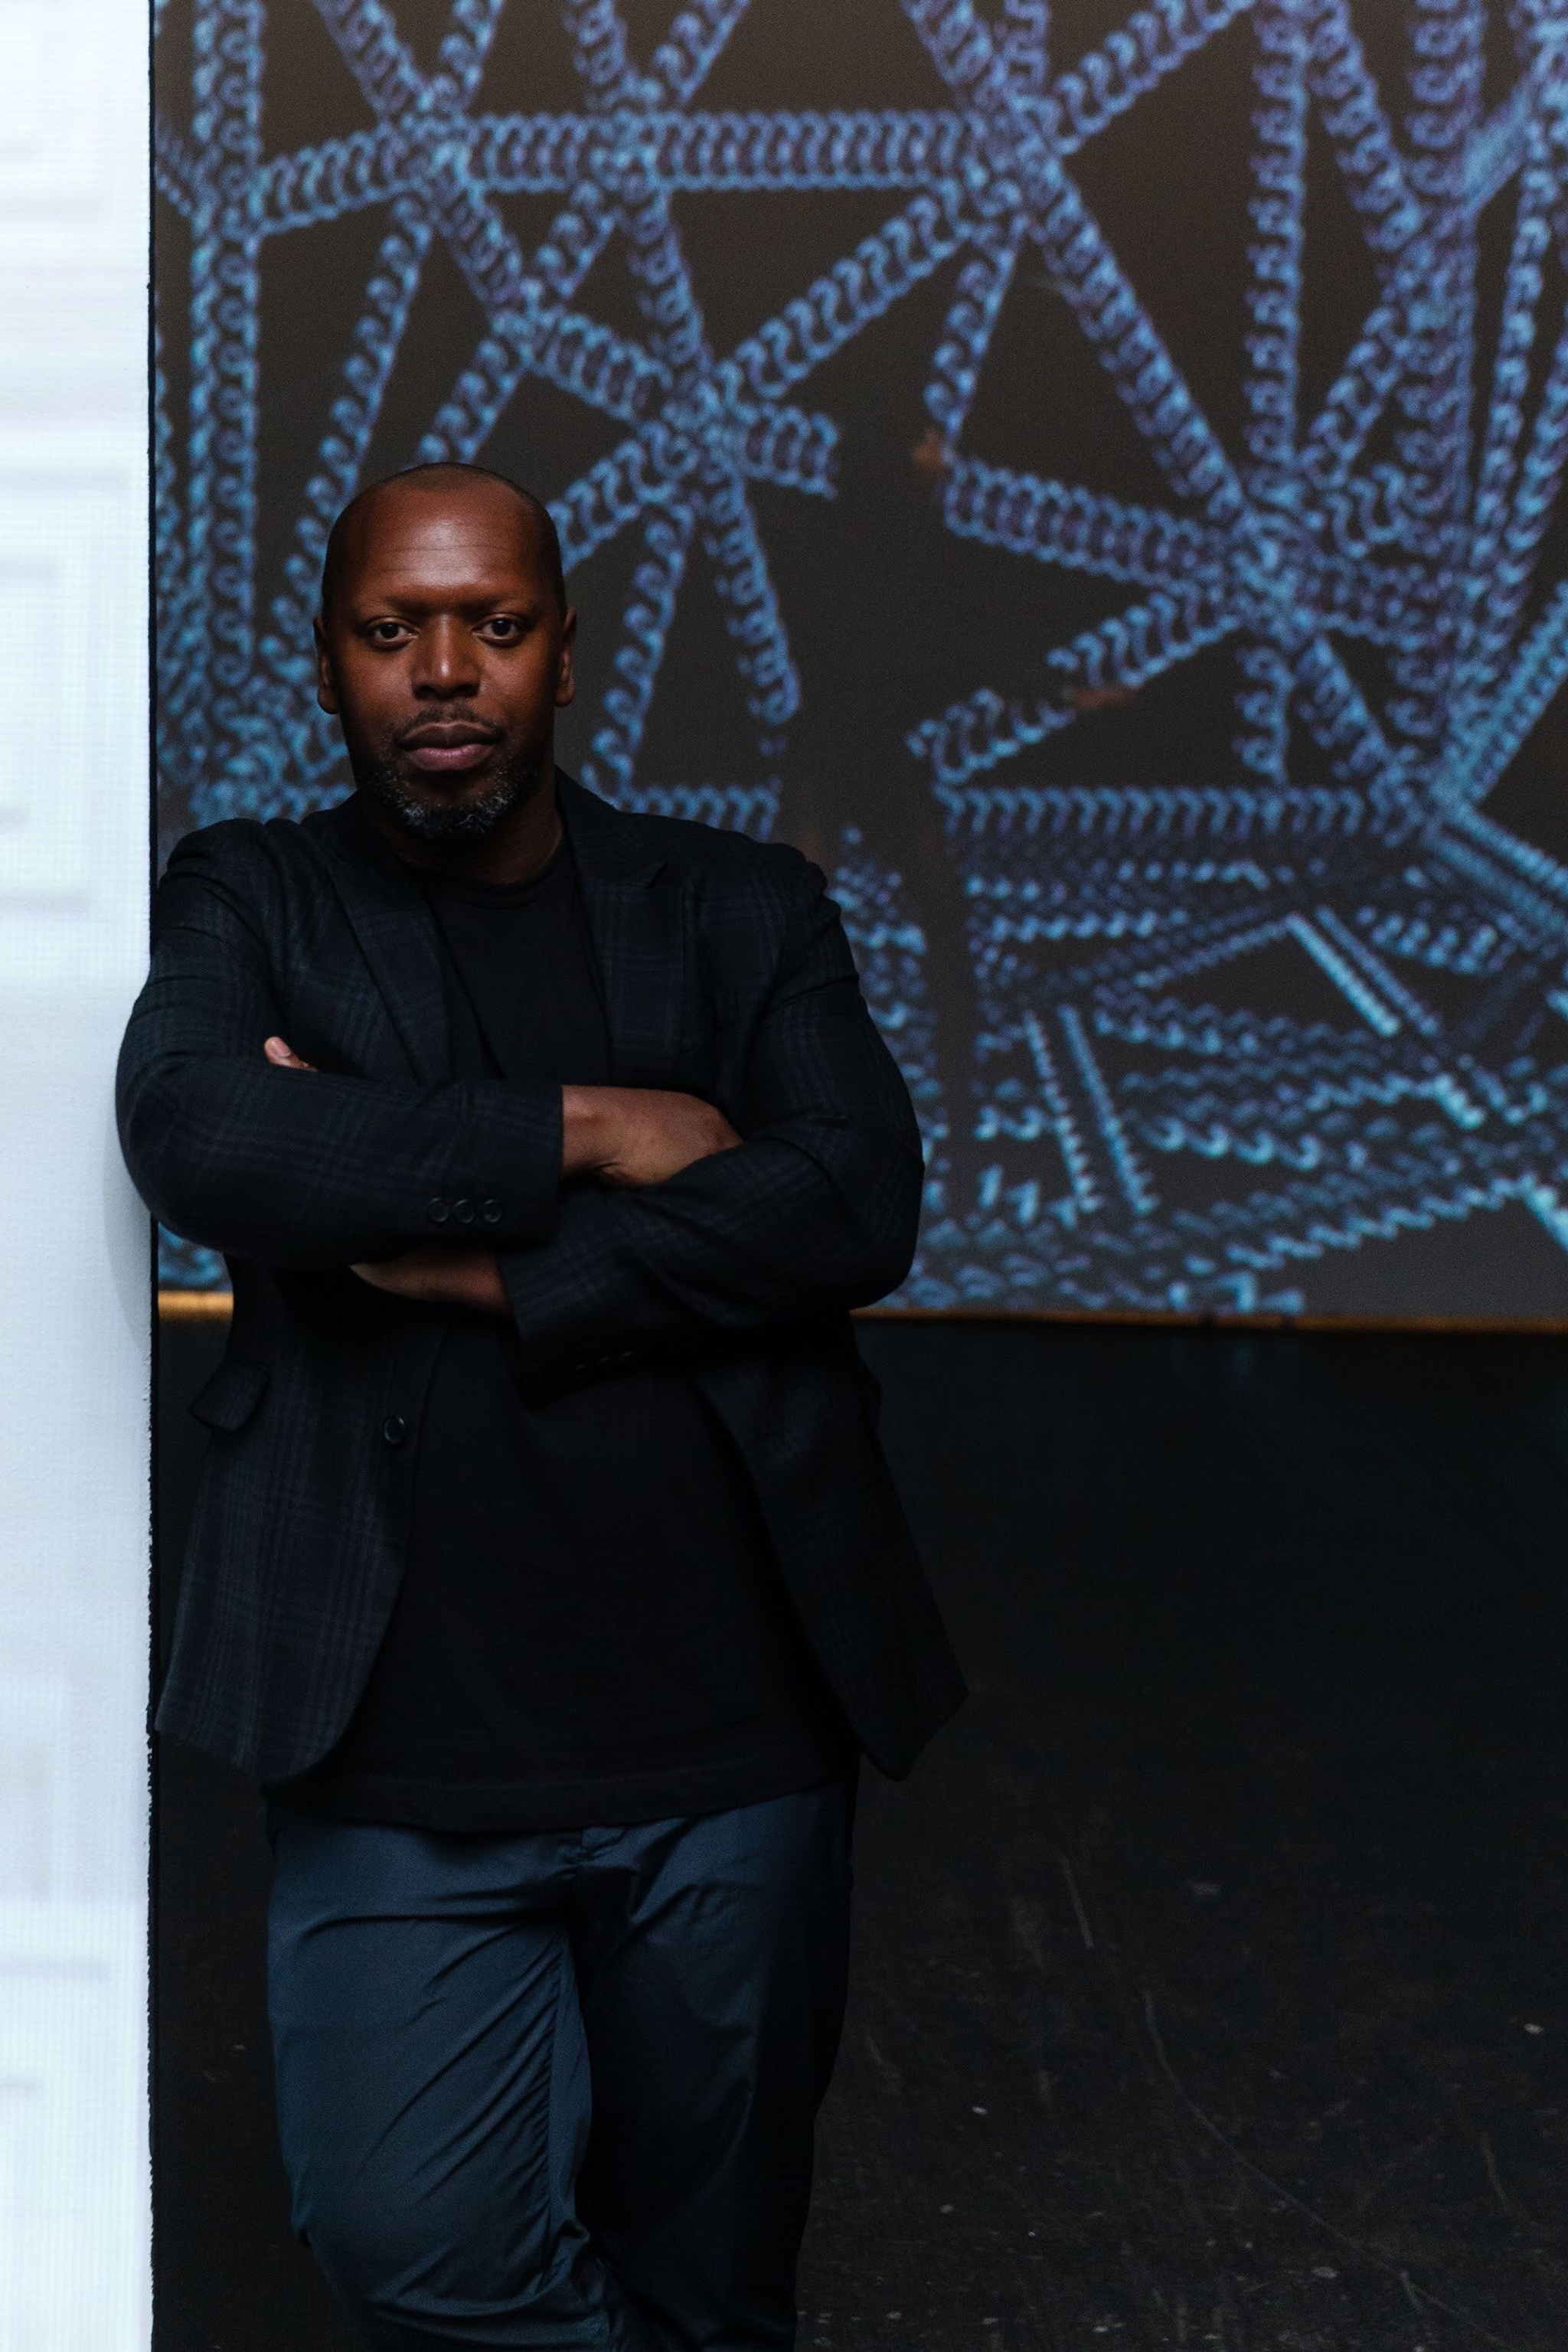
448	751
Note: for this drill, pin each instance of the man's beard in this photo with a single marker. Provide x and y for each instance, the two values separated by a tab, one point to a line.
381	777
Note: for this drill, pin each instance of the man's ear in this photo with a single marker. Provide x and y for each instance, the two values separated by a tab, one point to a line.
326	684
565	673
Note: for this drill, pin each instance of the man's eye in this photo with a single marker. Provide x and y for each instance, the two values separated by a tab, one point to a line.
387	632
503	628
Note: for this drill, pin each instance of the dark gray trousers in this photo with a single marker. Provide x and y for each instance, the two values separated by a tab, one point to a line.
559	2090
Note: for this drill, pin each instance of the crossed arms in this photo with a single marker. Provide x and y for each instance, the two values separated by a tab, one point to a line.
609	1220
609	1135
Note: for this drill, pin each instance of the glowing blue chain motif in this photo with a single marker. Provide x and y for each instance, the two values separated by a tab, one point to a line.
1117	1142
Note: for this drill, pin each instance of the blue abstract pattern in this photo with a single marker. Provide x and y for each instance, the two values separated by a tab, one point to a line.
1125	1128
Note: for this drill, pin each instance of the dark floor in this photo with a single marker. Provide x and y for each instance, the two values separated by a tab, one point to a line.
1210	1983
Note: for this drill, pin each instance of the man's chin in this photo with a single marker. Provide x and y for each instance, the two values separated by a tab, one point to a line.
450	818
470	813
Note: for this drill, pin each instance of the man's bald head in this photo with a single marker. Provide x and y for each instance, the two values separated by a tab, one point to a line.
448	480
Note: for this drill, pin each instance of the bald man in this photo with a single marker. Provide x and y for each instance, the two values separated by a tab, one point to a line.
546	1572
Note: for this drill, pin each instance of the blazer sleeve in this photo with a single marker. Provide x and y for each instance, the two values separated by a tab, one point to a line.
297	1169
815	1212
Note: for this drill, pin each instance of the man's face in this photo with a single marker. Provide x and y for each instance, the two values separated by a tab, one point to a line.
445	657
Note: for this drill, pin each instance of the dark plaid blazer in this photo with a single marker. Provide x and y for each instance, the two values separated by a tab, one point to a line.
726	975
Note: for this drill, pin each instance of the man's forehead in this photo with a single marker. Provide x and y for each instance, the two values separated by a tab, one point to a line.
402	529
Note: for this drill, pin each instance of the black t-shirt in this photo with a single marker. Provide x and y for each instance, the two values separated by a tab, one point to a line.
592	1628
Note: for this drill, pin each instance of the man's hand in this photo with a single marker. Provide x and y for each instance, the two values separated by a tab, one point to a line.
442	1277
282	1057
637	1135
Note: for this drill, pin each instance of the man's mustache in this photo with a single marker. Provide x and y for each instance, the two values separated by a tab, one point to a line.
431	725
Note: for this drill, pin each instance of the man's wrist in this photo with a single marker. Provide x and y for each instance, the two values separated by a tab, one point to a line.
585	1142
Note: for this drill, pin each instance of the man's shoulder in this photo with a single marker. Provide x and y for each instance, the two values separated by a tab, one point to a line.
251	854
249	841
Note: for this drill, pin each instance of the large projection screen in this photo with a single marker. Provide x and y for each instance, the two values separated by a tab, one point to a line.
74	1257
1091	477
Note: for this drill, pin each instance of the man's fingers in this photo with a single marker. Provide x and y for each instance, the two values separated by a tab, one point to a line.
385	1276
281	1054
407	1272
442	1277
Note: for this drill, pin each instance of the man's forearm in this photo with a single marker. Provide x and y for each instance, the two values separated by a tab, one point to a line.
317	1172
768	1235
586	1119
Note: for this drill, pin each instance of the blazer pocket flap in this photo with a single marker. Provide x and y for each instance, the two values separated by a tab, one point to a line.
233	1394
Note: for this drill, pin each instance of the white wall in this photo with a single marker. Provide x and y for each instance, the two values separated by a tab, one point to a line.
74	1297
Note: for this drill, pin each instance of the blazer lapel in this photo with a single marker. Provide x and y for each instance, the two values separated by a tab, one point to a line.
637	915
396	933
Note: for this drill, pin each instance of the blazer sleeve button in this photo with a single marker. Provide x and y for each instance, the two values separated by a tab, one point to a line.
394	1429
492	1213
437	1212
464	1211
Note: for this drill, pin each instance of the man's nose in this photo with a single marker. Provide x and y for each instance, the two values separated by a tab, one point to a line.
447	659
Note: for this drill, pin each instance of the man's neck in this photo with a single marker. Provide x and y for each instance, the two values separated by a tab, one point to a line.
521	846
